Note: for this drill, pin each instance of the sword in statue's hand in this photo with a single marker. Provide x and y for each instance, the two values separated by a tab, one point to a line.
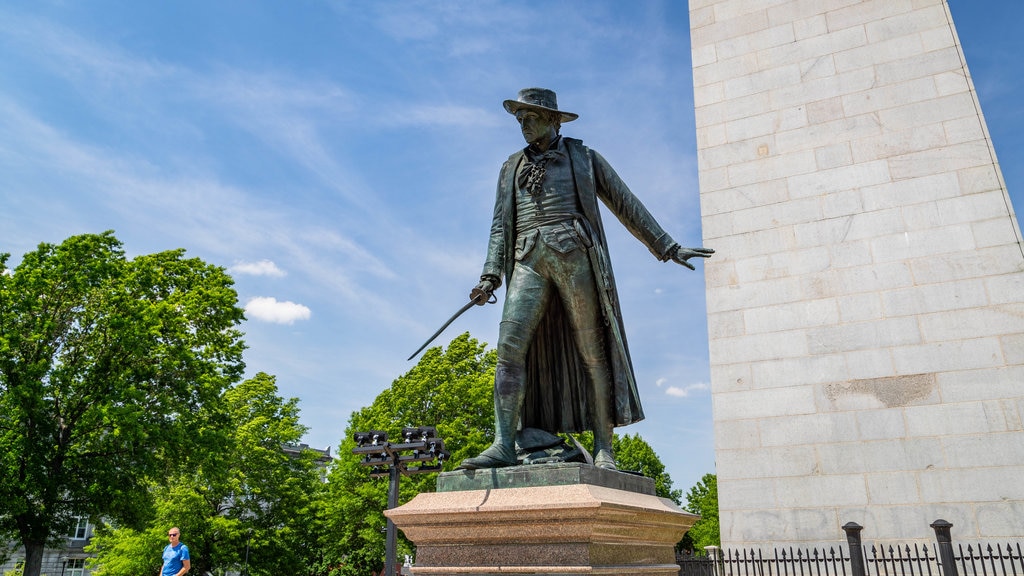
477	297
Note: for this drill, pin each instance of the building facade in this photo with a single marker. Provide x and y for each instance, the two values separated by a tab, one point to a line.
866	301
66	560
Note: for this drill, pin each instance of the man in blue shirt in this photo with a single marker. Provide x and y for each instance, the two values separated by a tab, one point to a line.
176	558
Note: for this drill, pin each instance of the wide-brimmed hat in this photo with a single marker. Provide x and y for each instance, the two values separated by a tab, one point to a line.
538	99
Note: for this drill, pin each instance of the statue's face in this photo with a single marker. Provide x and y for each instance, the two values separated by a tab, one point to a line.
537	128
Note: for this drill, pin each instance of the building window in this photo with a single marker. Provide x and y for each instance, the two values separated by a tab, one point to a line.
81	529
75	567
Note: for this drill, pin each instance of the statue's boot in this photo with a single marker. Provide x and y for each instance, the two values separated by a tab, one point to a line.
604	457
509	392
591	347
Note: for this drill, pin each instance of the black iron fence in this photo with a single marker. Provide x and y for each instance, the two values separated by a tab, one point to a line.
858	559
779	562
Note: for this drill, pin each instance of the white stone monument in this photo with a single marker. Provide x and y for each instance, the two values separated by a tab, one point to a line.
866	301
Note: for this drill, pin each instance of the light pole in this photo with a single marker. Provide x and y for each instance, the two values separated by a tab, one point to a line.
387	460
245	566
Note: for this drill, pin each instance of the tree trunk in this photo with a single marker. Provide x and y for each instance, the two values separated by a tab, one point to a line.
33	556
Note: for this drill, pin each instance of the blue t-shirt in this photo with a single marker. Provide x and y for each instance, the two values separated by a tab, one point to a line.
173	557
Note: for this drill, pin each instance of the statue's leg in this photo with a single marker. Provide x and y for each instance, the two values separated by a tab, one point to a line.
590	344
509	391
527	297
578	291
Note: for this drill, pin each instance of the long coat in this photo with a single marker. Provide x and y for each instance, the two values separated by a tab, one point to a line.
557	388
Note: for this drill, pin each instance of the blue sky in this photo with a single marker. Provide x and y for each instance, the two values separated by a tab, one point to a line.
340	159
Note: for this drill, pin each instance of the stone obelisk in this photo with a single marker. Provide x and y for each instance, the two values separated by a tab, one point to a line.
866	302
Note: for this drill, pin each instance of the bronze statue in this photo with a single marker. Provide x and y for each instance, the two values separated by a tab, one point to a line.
563	363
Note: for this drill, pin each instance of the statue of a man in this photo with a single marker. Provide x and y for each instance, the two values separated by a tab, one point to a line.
563	363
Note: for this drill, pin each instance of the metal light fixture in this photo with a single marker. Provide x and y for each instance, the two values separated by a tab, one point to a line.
419	452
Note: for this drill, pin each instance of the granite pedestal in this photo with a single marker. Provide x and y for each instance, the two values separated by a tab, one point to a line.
563	519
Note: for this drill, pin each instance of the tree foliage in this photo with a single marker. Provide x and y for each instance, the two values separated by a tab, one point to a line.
703	499
250	497
107	368
450	389
633	453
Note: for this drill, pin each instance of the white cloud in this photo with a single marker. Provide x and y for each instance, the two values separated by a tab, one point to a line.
684	392
261	268
268	309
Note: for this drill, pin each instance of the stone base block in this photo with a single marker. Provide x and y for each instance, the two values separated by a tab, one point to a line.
567	529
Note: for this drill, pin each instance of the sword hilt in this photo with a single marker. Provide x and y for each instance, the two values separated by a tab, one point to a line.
481	297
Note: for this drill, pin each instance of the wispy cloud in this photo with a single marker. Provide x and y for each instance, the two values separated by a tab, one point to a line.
56	46
202	209
438	115
268	309
682	391
421	22
261	268
288	114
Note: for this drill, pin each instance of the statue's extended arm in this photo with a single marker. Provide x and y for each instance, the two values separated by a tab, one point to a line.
632	213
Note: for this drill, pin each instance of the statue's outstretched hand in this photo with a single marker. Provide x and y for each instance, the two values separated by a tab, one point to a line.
682	255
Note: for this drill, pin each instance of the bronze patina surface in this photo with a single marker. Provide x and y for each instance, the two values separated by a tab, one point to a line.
563	361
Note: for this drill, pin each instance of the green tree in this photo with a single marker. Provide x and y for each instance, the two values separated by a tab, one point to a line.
633	453
109	369
450	389
252	496
703	499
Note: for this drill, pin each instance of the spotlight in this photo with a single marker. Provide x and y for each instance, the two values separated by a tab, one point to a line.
420	433
373	437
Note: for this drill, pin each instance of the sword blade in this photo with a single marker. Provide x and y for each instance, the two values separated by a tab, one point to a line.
467	306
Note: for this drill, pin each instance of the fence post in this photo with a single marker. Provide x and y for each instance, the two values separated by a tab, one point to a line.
945	542
852	530
712	552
